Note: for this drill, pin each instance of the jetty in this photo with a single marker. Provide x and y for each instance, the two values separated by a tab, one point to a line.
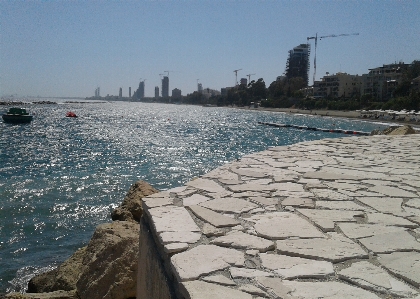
334	218
279	125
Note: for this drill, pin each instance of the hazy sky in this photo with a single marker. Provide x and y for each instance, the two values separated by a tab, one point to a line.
68	48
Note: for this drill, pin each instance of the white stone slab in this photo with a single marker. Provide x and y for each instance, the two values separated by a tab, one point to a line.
326	219
175	247
300	202
253	290
379	218
172	219
413	202
357	230
206	185
211	231
250	172
264	201
405	265
179	237
288	187
247	273
229	205
212	217
390	242
282	225
313	290
328	194
384	204
194	199
371	277
393	191
219	279
203	290
335	249
251	186
204	259
339	205
244	241
295	267
329	176
153	202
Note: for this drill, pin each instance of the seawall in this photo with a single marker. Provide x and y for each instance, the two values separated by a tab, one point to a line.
335	218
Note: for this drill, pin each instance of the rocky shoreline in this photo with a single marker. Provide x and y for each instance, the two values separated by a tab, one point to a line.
107	266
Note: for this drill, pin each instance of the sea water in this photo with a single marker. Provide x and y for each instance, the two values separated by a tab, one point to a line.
60	177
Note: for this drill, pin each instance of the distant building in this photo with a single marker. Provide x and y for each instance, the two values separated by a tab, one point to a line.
224	91
156	92
298	62
129	92
140	90
176	93
98	92
244	81
382	81
120	93
338	85
165	87
199	87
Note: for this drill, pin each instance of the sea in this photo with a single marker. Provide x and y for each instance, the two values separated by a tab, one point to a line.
60	177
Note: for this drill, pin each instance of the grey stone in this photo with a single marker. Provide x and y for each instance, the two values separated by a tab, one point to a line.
357	230
298	202
339	205
210	230
334	249
393	191
371	277
264	201
206	185
204	259
247	273
282	225
384	204
229	205
172	219
194	199
315	290
326	219
389	242
413	202
203	290
405	265
295	267
175	247
179	237
328	194
212	217
219	279
379	218
251	186
329	176
244	241
253	290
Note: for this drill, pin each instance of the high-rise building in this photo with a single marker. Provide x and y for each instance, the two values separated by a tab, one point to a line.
199	87
156	92
120	94
165	87
298	62
244	81
129	92
176	93
98	92
140	90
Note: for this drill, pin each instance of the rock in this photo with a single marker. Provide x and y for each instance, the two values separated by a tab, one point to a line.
110	262
64	277
130	209
51	295
395	130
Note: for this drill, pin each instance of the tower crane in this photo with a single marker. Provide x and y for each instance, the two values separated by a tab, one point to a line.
321	37
249	77
236	76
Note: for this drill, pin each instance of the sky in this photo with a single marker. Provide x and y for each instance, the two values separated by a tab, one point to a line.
69	48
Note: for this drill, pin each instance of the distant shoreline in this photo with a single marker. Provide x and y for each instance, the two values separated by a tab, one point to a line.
334	113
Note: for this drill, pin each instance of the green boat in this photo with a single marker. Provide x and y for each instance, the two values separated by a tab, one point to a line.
17	116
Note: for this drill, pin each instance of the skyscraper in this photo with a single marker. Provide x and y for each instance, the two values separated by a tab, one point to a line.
120	94
156	92
140	90
165	87
298	62
129	92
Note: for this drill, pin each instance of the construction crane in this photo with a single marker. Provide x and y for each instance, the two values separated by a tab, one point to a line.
236	76
249	77
168	72
316	42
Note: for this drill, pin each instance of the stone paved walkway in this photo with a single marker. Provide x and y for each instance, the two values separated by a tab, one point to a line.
335	218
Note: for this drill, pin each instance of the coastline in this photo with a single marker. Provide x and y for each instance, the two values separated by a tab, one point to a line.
335	113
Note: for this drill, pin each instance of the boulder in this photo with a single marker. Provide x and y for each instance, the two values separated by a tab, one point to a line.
64	277
110	262
50	295
130	209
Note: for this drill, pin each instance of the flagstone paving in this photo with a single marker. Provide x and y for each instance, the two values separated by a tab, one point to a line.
334	218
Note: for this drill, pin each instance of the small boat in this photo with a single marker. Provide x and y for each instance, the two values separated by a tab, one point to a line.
71	114
17	116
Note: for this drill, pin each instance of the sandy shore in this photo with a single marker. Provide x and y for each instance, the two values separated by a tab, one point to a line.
337	113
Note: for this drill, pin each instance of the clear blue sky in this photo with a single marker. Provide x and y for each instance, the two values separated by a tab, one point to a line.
68	48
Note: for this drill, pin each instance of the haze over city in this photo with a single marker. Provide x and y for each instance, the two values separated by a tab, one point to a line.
69	48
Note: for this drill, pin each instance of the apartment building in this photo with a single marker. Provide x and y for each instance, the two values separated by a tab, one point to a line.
338	85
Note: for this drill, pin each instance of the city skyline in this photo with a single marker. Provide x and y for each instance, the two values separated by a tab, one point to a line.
69	48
